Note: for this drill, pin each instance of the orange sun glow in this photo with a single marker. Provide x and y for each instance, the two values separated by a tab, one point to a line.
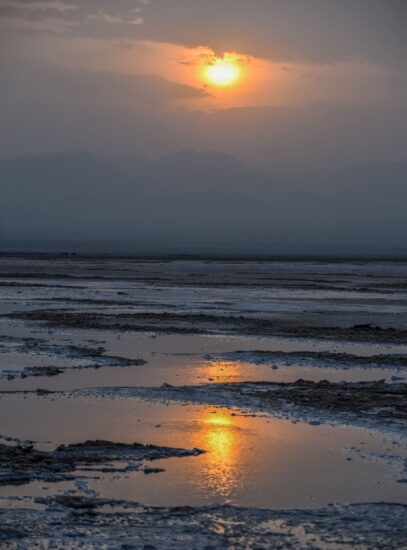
223	71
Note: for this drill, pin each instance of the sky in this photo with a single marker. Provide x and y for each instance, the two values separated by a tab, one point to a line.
316	103
136	68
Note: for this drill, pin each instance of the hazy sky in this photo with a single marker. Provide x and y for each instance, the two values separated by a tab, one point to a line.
321	81
316	92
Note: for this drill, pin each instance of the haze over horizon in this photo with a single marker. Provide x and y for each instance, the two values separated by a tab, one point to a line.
305	152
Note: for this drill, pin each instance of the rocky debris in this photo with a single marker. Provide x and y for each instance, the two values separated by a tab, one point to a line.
67	521
171	322
22	464
314	358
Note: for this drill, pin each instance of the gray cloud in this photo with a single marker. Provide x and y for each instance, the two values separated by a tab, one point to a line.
99	89
89	18
312	31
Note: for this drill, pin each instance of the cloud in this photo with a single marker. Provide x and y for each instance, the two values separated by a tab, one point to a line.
101	89
120	20
263	82
52	25
104	81
103	111
43	17
315	31
51	5
88	17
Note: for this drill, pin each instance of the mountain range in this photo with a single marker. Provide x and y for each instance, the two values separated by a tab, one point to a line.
191	200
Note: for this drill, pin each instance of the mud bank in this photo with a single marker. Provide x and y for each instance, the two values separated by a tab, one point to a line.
367	404
80	357
209	324
70	522
314	358
21	464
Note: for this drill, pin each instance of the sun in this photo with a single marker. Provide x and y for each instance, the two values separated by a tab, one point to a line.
223	71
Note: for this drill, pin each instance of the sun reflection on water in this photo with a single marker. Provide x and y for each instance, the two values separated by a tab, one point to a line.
221	436
221	371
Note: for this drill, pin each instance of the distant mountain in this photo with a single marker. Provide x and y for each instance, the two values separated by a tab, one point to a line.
130	165
206	162
192	196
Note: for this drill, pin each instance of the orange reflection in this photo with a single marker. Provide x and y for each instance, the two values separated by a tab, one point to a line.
221	437
221	371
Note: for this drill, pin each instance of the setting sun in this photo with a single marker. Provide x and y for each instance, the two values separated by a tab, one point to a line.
223	71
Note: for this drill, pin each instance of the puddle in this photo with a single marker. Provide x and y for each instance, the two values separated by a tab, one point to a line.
250	461
181	360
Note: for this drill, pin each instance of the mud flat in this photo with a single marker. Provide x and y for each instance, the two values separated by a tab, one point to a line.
72	522
174	323
23	464
316	358
368	404
267	398
68	355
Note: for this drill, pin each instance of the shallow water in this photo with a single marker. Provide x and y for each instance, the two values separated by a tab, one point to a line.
258	460
250	461
166	364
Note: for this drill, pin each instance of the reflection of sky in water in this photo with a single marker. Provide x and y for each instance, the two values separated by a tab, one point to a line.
221	371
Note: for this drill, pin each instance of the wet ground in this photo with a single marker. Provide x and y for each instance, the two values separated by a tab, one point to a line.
277	388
